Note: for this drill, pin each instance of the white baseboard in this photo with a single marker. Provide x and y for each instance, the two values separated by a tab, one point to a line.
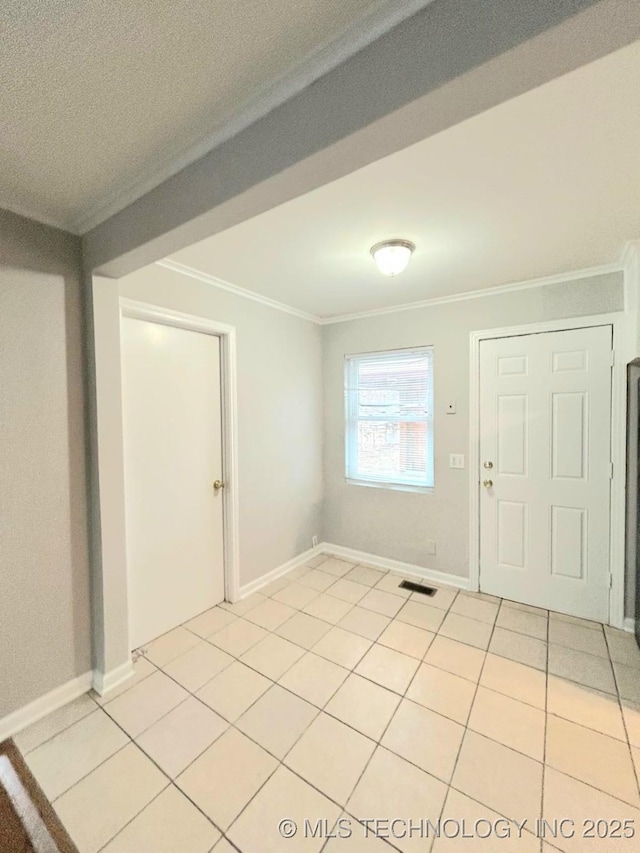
39	708
377	562
355	557
104	682
629	625
278	572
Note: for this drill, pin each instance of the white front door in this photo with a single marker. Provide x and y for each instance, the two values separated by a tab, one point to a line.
544	478
172	455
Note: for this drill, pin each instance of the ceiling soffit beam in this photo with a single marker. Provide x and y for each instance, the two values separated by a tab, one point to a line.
384	16
450	61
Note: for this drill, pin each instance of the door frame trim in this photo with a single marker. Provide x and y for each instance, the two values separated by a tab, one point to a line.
622	345
229	408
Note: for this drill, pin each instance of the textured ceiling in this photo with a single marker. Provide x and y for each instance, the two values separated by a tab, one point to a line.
546	183
101	100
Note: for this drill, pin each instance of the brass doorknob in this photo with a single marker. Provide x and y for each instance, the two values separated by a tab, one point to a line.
217	485
487	483
488	464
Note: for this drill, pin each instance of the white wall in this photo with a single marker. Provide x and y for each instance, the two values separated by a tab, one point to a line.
45	638
396	524
279	414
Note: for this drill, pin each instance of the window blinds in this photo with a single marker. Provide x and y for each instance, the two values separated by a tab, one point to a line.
389	417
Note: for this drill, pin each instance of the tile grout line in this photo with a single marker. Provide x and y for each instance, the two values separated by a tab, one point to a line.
161	717
404	695
448	784
466	727
281	762
350	671
635	769
26	752
232	725
580	725
546	721
319	710
170	781
82	778
277	683
122	828
133	740
379	743
138	813
528	756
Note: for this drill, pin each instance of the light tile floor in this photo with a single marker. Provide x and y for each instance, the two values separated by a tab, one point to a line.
334	696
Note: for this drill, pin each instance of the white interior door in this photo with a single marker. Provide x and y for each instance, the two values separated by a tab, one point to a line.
545	422
172	455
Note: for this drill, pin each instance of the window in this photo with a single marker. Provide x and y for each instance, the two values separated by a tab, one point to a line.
389	418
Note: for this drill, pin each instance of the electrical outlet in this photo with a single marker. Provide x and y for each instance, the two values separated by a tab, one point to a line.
430	547
314	541
456	460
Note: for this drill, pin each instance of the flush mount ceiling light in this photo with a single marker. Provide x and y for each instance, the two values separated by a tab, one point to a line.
392	256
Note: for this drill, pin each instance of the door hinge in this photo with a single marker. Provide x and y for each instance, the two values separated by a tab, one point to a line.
613	357
610	581
611	470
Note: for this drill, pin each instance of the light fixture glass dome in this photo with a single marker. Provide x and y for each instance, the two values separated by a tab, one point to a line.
392	256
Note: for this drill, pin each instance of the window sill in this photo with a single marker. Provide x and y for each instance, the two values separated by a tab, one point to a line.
394	487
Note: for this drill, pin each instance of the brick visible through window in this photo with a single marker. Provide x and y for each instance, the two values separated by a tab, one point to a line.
389	417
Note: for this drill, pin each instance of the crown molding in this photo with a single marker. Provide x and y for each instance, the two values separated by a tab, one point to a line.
529	284
191	272
385	15
628	257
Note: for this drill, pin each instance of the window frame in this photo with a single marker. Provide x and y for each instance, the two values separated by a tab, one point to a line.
351	421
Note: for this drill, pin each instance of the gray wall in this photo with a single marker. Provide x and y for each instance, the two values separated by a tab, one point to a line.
44	574
396	524
279	414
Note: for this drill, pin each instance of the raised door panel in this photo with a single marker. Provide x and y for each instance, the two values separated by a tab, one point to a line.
569	435
545	414
569	542
512	533
512	423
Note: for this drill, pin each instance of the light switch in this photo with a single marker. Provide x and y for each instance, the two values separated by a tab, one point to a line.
451	407
456	460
